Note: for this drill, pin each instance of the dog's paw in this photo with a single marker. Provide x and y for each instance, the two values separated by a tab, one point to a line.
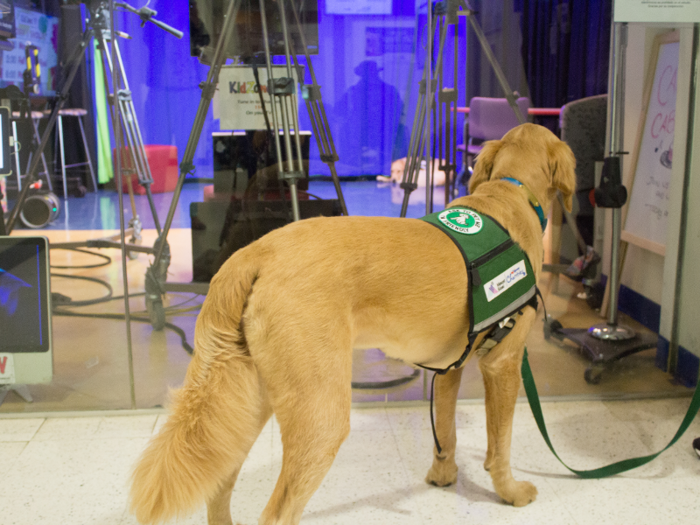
442	474
520	493
488	463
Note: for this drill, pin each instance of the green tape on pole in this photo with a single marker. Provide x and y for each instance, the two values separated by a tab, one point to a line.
105	171
615	468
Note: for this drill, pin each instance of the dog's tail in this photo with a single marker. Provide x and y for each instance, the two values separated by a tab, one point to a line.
215	416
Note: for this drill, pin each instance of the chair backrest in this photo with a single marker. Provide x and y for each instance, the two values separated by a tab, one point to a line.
583	124
491	118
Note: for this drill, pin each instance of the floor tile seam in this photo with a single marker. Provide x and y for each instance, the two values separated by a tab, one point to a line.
561	501
405	469
38	429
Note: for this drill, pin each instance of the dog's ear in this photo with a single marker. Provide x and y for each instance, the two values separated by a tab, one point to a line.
484	163
562	169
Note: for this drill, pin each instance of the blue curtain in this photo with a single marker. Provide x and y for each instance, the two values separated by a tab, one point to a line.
368	66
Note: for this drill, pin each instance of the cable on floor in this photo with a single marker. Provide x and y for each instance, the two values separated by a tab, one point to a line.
107	259
179	331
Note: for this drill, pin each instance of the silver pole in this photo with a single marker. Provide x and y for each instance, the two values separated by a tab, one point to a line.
612	331
430	99
122	230
616	134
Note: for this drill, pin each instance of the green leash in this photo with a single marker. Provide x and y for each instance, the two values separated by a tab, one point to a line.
615	468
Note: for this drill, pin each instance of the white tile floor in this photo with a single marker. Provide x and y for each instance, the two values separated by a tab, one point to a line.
74	471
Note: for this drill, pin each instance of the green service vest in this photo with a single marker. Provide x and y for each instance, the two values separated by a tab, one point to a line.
500	277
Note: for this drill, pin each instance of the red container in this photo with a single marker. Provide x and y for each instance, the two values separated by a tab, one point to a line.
164	168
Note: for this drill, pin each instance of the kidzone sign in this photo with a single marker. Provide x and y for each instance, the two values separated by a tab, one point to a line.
237	102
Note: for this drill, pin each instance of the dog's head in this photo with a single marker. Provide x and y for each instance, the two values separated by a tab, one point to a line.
533	155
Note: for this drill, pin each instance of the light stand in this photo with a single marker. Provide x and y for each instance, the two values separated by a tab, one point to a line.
282	90
609	342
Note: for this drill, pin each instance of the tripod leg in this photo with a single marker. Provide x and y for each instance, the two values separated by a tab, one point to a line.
35	125
186	166
134	141
317	114
87	153
63	157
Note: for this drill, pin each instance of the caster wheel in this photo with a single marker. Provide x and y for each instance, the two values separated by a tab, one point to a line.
156	313
551	327
594	373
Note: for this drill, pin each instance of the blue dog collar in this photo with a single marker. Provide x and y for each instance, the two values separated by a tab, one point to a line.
532	199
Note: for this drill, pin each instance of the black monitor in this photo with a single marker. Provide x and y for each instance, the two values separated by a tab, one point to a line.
207	18
5	147
7	19
25	315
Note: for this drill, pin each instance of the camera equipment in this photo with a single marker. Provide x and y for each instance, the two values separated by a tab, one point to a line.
40	210
283	105
207	20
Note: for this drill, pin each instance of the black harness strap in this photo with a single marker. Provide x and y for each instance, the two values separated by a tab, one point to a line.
497	333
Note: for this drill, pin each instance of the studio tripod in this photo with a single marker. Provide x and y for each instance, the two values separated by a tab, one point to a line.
285	117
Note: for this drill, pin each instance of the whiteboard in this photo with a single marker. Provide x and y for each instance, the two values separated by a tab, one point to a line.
647	214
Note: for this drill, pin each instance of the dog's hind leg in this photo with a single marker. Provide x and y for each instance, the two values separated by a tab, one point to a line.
501	372
444	469
219	505
309	387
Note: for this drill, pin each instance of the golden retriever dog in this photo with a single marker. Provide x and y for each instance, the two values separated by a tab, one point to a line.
277	330
397	168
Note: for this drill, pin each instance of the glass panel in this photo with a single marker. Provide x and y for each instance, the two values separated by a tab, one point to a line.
370	60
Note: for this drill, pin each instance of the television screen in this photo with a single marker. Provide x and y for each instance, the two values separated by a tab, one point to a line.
25	325
207	17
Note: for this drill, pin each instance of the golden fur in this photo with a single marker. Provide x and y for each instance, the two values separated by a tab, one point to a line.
282	316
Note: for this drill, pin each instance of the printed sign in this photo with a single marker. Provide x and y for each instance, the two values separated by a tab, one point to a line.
358	7
461	220
7	369
502	282
237	100
676	11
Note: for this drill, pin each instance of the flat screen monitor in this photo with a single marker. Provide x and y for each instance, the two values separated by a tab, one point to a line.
25	324
207	17
26	355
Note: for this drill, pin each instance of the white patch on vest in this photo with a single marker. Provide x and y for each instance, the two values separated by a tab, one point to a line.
502	282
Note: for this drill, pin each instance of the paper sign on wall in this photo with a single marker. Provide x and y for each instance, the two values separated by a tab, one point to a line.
664	11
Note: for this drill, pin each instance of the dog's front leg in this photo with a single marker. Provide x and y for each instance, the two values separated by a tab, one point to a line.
444	469
501	372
